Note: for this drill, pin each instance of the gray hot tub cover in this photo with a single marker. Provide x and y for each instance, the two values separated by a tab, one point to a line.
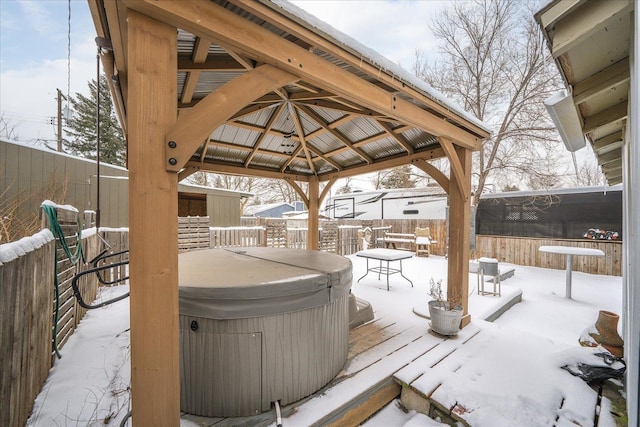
251	282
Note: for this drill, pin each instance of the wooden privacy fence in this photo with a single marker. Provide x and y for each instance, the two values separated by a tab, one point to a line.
27	306
524	251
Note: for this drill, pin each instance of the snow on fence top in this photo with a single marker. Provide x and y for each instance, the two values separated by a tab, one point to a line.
13	250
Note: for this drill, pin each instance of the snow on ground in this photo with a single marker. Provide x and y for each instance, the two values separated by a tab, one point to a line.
89	384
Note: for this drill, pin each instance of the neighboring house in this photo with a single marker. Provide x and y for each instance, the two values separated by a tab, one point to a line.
272	210
31	174
596	48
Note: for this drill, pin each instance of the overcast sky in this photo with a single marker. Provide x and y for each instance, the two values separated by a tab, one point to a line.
34	43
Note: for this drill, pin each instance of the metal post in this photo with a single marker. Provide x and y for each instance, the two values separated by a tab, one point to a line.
569	267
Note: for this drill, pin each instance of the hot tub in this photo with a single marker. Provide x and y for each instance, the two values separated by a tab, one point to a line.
259	325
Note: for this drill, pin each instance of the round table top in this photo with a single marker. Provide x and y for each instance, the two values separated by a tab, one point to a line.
571	250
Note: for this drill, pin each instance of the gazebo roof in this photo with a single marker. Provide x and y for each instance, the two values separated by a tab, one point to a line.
348	110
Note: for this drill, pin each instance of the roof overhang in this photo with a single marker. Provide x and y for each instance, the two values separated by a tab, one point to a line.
590	42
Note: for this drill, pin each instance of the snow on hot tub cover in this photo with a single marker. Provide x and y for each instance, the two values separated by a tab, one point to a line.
251	282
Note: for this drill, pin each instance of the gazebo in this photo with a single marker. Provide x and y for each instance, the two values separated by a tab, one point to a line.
256	88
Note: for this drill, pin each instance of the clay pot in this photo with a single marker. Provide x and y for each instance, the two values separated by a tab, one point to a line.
608	337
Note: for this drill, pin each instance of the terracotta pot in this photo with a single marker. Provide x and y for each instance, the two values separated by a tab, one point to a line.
608	337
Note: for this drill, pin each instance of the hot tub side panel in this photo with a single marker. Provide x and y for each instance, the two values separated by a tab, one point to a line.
299	353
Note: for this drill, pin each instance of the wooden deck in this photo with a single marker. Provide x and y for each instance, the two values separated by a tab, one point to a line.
387	361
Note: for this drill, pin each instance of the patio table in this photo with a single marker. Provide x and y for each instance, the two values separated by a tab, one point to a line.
569	251
388	256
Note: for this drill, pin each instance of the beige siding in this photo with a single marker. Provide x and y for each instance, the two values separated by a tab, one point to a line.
32	172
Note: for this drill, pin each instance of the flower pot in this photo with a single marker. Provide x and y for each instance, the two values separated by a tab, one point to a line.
608	337
444	321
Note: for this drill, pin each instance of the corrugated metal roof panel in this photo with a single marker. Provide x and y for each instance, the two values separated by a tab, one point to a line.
359	128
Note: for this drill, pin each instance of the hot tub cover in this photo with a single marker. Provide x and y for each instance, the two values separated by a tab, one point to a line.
249	282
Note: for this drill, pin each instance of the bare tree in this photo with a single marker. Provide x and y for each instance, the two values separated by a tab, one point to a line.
589	175
8	129
493	62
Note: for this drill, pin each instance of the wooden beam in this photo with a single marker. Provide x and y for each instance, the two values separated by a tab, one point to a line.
364	156
320	156
608	143
204	17
611	156
399	160
457	169
195	125
300	131
247	63
326	189
313	224
459	229
603	81
200	52
396	136
610	115
331	104
153	206
292	157
242	171
434	173
585	21
264	134
298	190
187	172
212	63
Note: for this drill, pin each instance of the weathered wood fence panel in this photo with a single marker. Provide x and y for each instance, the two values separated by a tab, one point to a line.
26	298
524	251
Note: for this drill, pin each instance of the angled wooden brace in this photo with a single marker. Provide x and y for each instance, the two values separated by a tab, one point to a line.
195	125
463	182
433	172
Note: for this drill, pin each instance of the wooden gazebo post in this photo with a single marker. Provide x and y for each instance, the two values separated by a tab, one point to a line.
459	229
313	240
153	211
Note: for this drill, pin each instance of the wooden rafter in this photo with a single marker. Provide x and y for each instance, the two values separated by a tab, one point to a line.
300	131
364	156
610	115
212	63
194	125
200	52
401	140
320	156
291	158
264	134
246	62
602	81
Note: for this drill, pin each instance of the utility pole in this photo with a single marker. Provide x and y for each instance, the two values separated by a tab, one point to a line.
60	96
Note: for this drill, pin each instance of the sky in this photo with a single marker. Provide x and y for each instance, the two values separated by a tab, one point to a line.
34	49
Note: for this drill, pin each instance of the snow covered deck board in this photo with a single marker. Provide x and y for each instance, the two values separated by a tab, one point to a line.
483	377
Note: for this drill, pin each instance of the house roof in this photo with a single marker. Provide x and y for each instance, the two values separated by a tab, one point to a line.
590	42
256	209
344	111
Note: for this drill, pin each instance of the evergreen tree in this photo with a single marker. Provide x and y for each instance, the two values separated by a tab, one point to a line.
81	128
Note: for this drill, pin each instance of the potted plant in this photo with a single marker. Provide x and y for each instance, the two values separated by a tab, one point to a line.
445	314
